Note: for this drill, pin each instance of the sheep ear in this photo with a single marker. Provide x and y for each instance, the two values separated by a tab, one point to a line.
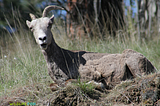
52	18
32	16
28	23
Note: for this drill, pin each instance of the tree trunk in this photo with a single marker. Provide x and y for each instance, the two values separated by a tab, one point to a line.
85	15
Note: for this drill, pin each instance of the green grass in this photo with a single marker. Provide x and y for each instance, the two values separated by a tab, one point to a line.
22	63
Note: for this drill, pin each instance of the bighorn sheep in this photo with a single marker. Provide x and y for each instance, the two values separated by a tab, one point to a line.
99	67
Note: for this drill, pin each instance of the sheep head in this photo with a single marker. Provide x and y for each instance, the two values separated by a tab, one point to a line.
41	27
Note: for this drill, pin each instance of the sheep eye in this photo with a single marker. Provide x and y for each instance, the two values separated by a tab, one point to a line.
31	28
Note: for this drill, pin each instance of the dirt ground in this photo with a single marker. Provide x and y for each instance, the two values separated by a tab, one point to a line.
139	91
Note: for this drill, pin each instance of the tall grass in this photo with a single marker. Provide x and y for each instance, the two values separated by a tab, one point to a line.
22	63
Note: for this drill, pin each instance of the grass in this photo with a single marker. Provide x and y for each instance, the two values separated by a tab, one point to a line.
85	88
22	63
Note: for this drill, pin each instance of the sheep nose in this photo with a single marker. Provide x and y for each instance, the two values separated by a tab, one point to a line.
42	38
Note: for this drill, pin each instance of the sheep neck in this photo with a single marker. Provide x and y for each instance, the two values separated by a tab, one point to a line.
53	53
61	59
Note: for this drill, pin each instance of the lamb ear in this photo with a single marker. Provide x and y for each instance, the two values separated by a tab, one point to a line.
52	18
28	23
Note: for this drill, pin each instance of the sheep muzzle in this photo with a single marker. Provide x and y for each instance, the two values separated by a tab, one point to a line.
44	46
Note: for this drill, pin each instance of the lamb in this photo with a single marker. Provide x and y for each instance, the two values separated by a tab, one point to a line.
101	68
